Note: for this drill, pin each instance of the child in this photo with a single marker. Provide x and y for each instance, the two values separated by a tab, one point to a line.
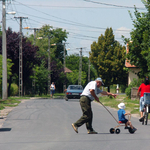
121	117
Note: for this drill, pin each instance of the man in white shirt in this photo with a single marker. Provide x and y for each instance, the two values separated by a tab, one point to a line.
88	95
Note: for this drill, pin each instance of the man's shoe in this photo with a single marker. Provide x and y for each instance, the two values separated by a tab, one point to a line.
75	128
92	132
126	127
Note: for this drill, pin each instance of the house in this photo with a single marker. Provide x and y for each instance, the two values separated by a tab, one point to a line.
133	70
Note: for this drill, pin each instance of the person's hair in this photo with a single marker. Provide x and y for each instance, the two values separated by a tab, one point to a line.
146	81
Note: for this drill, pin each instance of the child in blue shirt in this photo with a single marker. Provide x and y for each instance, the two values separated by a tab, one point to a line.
121	117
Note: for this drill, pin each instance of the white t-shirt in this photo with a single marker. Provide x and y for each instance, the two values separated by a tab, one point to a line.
91	85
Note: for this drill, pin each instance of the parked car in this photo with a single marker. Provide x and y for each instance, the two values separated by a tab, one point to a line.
73	92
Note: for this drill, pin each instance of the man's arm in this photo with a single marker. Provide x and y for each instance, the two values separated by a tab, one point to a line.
94	95
108	93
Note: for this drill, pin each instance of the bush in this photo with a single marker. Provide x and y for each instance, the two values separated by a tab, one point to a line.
14	89
134	83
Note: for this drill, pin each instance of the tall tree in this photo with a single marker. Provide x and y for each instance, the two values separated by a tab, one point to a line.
139	44
29	56
72	62
108	57
57	38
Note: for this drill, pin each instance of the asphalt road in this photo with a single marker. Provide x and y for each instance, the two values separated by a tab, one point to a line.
45	124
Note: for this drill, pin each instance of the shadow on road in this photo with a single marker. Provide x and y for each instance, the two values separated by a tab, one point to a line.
5	129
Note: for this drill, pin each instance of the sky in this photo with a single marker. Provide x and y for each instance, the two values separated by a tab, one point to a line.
85	20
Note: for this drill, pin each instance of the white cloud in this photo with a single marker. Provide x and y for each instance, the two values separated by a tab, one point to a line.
122	31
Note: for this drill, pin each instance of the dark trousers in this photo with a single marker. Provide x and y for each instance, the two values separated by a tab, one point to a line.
87	116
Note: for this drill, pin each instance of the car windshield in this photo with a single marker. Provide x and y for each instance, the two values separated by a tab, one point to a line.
75	87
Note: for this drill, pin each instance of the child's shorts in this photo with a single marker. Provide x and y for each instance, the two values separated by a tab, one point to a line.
124	121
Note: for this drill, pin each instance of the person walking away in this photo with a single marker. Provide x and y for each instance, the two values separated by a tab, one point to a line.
144	87
88	95
122	119
52	89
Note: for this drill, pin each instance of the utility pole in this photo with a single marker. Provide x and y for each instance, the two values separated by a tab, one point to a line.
49	64
64	67
20	58
89	71
80	66
35	29
64	86
4	53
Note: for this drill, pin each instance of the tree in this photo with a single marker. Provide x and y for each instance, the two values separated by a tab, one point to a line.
139	44
40	77
57	36
9	73
108	58
72	62
29	57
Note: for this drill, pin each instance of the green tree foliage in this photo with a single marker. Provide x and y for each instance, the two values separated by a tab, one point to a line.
57	38
74	76
9	73
139	46
72	62
108	58
40	77
29	57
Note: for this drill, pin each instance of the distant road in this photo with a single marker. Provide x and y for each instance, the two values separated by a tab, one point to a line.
45	124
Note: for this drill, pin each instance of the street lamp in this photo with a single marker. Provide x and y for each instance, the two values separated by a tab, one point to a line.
4	52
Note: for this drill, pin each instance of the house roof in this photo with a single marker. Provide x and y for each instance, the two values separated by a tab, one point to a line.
128	65
67	70
127	62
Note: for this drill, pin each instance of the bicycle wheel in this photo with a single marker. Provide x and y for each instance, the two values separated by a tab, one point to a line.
143	119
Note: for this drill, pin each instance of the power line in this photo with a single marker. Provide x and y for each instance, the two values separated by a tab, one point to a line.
70	7
113	5
64	21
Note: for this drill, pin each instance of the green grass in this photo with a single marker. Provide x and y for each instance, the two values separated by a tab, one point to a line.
132	106
11	102
8	103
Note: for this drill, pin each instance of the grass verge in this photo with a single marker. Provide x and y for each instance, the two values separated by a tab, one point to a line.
132	106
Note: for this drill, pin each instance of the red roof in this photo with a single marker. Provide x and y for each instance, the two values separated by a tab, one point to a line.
127	62
67	70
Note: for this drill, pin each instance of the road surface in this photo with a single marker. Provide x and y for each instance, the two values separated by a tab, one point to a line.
45	124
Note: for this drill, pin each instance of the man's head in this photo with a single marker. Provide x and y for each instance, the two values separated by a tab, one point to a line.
99	82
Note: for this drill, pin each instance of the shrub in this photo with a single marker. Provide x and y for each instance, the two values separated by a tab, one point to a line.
134	83
14	89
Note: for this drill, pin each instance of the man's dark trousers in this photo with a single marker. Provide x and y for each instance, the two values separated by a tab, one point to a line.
87	116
